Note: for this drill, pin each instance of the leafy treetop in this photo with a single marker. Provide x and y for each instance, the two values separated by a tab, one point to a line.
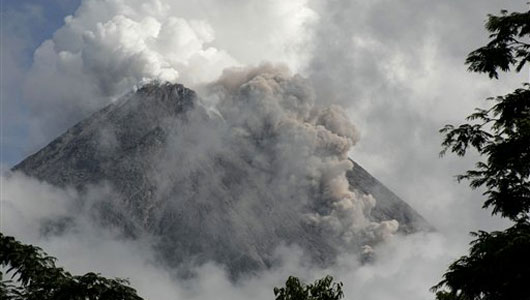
497	264
34	276
501	134
496	267
322	289
506	47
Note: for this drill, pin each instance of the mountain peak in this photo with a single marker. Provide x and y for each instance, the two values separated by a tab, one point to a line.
175	174
167	93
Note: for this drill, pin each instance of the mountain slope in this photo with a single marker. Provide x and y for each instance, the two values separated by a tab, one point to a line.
169	177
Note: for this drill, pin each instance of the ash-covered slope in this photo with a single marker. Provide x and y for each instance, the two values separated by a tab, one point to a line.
388	205
211	188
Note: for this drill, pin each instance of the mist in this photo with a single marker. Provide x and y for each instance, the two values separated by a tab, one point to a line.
405	266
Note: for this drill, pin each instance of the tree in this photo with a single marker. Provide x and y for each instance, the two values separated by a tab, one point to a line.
497	264
323	289
33	275
496	267
505	50
502	135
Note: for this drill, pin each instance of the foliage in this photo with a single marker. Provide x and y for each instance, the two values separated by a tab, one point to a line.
33	275
496	267
497	264
323	289
502	134
505	48
503	137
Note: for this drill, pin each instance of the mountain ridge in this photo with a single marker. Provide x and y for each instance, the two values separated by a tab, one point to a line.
126	144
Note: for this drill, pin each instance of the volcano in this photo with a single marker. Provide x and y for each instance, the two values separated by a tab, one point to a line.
176	172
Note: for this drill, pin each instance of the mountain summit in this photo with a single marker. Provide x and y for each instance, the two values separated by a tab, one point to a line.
216	185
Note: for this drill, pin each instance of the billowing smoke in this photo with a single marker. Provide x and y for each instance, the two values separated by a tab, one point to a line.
107	47
253	163
273	118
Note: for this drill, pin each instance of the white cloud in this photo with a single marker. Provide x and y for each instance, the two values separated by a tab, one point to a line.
405	266
108	47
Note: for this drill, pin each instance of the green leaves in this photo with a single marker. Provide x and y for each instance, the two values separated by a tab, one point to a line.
34	275
323	289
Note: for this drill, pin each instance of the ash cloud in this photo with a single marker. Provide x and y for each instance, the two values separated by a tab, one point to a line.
258	156
257	163
274	118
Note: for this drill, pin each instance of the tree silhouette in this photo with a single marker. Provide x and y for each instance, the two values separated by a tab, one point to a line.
34	276
497	264
322	289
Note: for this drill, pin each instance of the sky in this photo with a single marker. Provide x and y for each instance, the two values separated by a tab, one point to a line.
396	66
25	25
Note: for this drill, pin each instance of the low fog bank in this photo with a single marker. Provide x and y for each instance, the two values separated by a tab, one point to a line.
60	221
